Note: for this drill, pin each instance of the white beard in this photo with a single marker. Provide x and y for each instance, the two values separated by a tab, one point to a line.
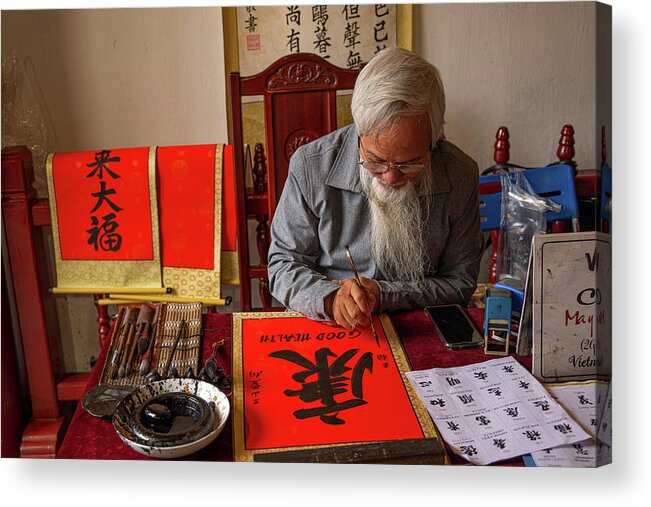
398	225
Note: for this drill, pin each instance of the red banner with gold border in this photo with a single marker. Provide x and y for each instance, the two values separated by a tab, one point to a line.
300	383
186	192
103	204
104	211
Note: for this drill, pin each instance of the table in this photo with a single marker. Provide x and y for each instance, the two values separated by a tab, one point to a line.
89	437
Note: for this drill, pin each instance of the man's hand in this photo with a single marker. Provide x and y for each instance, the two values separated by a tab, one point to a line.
351	306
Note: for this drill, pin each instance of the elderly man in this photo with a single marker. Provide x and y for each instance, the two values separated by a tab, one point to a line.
392	188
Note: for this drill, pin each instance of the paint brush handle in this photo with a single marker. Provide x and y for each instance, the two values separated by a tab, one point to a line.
359	282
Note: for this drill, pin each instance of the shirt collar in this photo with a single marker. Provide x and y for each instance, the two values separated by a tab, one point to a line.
345	170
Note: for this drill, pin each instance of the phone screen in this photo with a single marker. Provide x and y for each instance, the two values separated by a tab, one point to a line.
454	325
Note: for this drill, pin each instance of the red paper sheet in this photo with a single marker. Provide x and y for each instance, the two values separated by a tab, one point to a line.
296	393
186	193
103	204
229	217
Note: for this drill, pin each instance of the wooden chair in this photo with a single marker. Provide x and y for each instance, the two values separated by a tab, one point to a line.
24	218
299	96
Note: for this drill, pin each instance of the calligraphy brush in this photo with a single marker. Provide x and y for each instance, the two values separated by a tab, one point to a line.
179	333
359	282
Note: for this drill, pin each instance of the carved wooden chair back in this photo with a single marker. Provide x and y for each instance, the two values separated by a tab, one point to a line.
300	105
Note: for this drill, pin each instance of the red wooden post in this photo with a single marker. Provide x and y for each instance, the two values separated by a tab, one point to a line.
501	153
565	151
103	320
501	156
41	436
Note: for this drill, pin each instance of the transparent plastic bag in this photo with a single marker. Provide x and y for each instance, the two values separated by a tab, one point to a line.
523	215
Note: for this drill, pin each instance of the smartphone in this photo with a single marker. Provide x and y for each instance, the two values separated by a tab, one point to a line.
454	327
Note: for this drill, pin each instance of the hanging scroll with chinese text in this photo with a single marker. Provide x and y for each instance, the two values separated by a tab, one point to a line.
190	195
345	35
300	384
104	218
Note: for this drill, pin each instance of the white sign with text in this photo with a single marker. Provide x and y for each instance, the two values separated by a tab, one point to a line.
571	306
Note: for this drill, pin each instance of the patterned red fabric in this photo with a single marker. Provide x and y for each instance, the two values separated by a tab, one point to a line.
91	438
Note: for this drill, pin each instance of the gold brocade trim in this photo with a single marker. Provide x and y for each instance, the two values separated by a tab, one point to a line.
240	453
404	26
230	274
202	283
119	273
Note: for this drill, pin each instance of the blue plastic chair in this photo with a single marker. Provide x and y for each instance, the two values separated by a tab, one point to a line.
556	182
606	196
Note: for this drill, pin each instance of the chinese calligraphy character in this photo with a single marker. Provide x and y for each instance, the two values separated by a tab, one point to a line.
500	443
542	404
250	23
482	420
453	381
320	14
378	29
508	369
583	400
481	375
104	235
101	159
381	10
512	411
438	401
329	382
255	385
101	197
466	398
354	60
468	450
425	383
523	384
495	390
294	42
293	15
322	42
532	435
351	33
351	11
564	429
580	450
452	426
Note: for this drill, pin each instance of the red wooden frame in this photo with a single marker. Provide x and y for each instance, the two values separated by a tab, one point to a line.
299	96
23	216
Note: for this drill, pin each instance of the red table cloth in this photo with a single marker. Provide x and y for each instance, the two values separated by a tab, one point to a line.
89	437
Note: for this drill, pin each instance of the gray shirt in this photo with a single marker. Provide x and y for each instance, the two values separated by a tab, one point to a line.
322	209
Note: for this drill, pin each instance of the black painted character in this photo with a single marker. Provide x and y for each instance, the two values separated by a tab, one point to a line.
329	382
101	159
104	235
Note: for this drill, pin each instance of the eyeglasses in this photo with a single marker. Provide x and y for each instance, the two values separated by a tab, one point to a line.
383	167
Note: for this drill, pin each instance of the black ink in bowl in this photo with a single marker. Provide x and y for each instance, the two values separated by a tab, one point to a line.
172	419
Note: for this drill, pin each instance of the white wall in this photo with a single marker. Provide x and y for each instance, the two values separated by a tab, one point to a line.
126	77
528	66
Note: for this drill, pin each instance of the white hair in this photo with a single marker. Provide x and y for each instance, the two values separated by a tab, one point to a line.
395	83
398	225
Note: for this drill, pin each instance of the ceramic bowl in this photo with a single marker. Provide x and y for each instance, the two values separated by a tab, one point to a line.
130	406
